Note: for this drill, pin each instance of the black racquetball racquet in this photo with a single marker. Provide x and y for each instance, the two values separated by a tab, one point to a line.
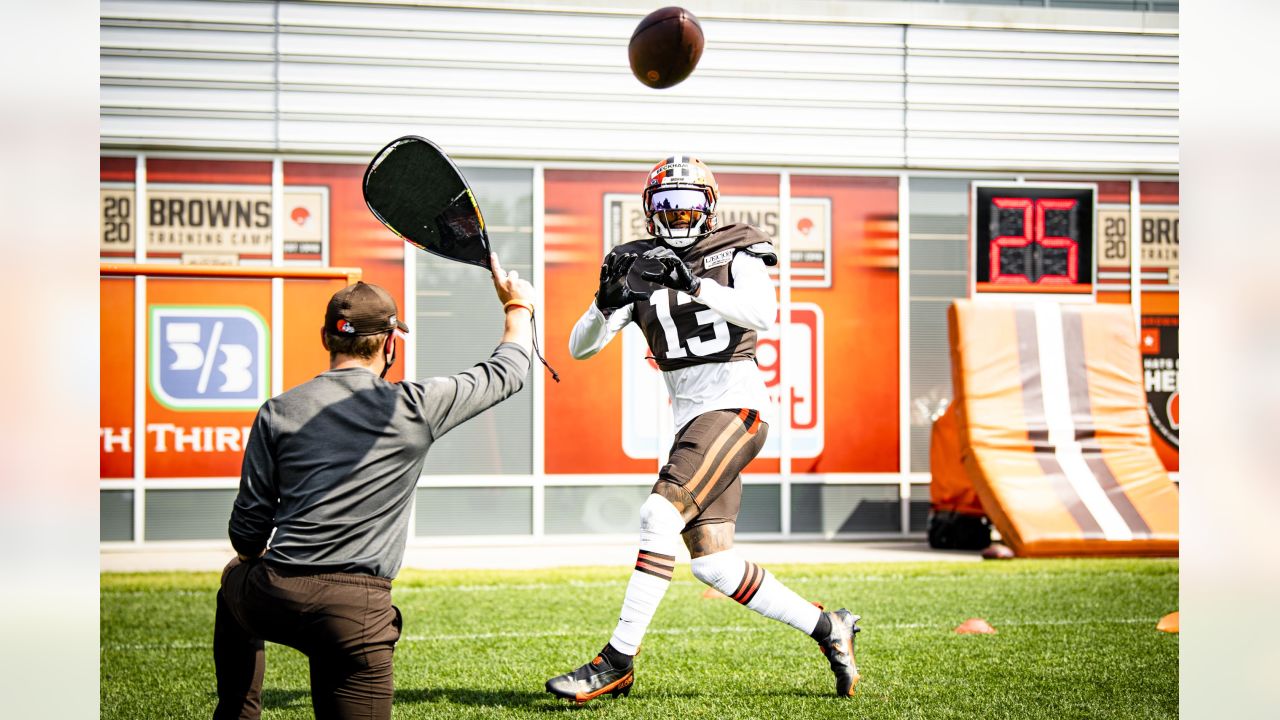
414	189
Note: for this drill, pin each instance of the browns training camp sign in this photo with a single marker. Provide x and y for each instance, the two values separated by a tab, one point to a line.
213	224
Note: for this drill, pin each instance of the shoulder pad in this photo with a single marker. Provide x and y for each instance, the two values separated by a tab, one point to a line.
763	250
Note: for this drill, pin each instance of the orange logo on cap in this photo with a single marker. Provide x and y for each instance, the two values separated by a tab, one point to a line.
346	327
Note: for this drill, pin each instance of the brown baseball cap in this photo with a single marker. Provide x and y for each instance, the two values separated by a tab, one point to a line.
362	309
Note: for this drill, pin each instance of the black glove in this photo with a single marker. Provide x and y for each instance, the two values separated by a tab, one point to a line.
674	273
613	292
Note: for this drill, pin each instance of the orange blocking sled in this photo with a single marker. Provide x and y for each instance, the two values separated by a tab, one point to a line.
1053	432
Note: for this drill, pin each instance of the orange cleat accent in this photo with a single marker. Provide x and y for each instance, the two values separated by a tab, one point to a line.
596	678
838	648
621	687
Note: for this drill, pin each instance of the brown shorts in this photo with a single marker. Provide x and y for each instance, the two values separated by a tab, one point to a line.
707	458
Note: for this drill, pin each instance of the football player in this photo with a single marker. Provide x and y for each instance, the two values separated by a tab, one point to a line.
700	293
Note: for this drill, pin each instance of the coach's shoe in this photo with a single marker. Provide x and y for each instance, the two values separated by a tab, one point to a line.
594	679
838	647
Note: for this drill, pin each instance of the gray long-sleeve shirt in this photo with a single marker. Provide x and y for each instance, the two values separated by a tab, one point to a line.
331	465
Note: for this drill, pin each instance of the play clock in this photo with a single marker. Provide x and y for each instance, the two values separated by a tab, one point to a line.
1032	239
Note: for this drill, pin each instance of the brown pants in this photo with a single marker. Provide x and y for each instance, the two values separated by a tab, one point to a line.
707	458
344	623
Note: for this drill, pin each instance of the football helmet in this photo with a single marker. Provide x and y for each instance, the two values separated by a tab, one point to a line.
679	200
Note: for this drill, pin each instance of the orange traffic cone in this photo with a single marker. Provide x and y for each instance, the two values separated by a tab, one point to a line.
712	594
1168	623
975	626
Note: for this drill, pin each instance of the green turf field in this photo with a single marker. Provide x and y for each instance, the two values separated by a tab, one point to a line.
1076	639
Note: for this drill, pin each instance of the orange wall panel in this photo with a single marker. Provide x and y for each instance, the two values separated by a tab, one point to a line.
116	372
859	315
860	312
186	442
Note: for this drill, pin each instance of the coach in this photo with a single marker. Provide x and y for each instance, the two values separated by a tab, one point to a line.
330	467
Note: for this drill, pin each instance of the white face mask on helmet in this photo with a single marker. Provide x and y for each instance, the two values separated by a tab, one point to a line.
679	201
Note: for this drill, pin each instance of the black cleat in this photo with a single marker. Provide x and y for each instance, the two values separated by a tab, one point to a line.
838	647
593	680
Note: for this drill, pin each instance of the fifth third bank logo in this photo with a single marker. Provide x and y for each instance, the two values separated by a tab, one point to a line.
205	358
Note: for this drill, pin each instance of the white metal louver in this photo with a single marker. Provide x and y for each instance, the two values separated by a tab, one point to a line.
852	84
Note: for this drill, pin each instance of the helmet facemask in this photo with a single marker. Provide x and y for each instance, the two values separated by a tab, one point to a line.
680	215
680	201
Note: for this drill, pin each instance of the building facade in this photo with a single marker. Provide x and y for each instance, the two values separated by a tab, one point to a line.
236	134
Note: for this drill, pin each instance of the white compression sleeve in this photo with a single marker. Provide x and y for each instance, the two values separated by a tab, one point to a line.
751	302
593	330
660	527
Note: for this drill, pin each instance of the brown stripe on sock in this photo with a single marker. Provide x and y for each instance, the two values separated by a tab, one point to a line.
657	557
754	588
659	572
1082	415
750	583
656	564
1038	426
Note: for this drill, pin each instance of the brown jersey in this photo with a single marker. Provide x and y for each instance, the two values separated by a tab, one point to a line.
681	331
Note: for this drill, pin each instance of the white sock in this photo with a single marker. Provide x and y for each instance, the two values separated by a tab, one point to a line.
756	588
660	526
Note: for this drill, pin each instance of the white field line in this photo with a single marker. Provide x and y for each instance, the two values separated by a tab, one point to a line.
622	582
735	629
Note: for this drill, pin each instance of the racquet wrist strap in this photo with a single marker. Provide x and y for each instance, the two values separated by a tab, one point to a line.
521	303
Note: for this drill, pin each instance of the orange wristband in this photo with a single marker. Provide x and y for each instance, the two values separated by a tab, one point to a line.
517	303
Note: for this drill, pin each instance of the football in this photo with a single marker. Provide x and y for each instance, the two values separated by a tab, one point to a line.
637	284
665	47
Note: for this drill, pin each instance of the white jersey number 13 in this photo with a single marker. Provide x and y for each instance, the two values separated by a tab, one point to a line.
661	302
